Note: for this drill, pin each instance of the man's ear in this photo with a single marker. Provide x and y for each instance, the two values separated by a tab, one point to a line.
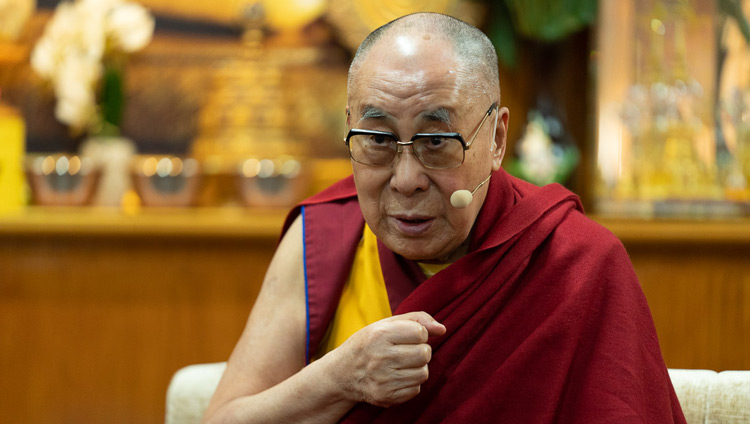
501	135
348	117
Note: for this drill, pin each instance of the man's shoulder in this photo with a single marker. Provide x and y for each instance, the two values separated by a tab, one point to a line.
586	262
579	238
582	229
344	189
575	228
341	193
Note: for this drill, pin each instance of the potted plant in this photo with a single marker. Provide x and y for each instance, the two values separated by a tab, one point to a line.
82	54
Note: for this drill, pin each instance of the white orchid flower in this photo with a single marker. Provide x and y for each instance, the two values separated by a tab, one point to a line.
74	88
77	115
77	77
91	38
43	59
102	5
63	25
131	26
77	39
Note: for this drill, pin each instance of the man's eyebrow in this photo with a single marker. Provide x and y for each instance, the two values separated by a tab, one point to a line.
372	112
440	114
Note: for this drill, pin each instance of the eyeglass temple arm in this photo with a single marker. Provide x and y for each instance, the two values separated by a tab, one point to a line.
479	127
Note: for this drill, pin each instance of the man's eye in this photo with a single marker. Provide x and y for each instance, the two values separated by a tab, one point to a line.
436	142
379	139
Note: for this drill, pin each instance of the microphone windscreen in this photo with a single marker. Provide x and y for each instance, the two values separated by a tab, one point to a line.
461	198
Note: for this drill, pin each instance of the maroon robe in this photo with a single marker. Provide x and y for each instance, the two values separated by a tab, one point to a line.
546	321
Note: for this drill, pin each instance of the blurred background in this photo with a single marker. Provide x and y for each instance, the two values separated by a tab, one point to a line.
149	151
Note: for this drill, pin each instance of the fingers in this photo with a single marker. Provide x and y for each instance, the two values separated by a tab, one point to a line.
413	376
396	397
411	355
433	327
402	395
406	332
386	362
401	386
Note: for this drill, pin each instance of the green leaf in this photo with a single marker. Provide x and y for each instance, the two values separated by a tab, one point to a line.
112	97
551	20
502	34
733	9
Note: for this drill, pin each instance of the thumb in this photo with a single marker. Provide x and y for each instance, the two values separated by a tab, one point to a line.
433	327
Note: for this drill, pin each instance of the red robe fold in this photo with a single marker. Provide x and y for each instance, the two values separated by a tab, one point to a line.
546	321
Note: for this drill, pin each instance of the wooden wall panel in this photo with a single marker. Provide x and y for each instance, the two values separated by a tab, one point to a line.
699	296
92	328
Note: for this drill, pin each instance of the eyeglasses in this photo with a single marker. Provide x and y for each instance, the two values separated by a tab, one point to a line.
432	150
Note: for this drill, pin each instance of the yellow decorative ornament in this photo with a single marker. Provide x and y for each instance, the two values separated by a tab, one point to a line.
290	15
13	17
354	19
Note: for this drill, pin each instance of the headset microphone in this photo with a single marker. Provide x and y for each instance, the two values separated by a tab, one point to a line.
461	198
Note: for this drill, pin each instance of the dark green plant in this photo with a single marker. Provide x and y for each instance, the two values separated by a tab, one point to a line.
539	20
733	9
112	100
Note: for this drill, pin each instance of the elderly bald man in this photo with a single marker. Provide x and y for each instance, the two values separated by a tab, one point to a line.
433	287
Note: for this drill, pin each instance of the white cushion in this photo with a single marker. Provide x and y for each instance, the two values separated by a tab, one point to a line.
692	388
730	398
190	391
706	397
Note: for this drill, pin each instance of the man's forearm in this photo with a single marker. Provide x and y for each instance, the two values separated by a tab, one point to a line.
310	396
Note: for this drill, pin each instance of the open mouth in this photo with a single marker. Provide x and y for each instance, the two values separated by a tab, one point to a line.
413	226
414	220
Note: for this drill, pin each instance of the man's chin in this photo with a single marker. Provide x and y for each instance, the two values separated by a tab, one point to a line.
415	250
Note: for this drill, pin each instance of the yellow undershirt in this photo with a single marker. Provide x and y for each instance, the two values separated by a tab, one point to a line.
364	299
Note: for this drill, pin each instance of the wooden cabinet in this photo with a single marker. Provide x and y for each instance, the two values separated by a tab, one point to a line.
696	277
98	308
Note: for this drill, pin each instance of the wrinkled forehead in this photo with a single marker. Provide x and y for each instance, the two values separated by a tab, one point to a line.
407	64
410	67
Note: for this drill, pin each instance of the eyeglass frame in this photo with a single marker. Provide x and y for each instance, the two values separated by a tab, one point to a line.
400	144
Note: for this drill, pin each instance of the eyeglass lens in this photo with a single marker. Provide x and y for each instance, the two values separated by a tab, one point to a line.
432	152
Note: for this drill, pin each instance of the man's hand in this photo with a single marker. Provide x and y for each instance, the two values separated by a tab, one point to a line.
385	363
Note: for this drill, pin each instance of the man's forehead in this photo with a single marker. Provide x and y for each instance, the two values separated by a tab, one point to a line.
412	45
409	74
434	90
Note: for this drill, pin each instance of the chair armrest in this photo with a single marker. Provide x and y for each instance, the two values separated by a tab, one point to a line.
730	398
713	398
190	391
693	390
705	396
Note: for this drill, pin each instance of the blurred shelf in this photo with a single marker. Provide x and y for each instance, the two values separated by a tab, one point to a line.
184	222
236	222
674	231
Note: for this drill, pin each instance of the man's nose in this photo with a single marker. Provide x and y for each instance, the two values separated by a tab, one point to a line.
409	175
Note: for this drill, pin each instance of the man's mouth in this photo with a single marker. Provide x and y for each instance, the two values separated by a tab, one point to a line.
413	225
414	220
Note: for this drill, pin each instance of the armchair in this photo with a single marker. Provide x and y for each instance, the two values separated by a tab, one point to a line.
706	396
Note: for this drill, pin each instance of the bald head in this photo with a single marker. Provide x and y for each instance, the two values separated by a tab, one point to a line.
471	48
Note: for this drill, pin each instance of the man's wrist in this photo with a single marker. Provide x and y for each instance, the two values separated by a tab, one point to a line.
334	381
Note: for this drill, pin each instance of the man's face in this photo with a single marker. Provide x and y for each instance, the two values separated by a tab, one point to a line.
409	84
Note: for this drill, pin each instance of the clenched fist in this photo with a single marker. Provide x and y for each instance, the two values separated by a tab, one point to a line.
385	363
